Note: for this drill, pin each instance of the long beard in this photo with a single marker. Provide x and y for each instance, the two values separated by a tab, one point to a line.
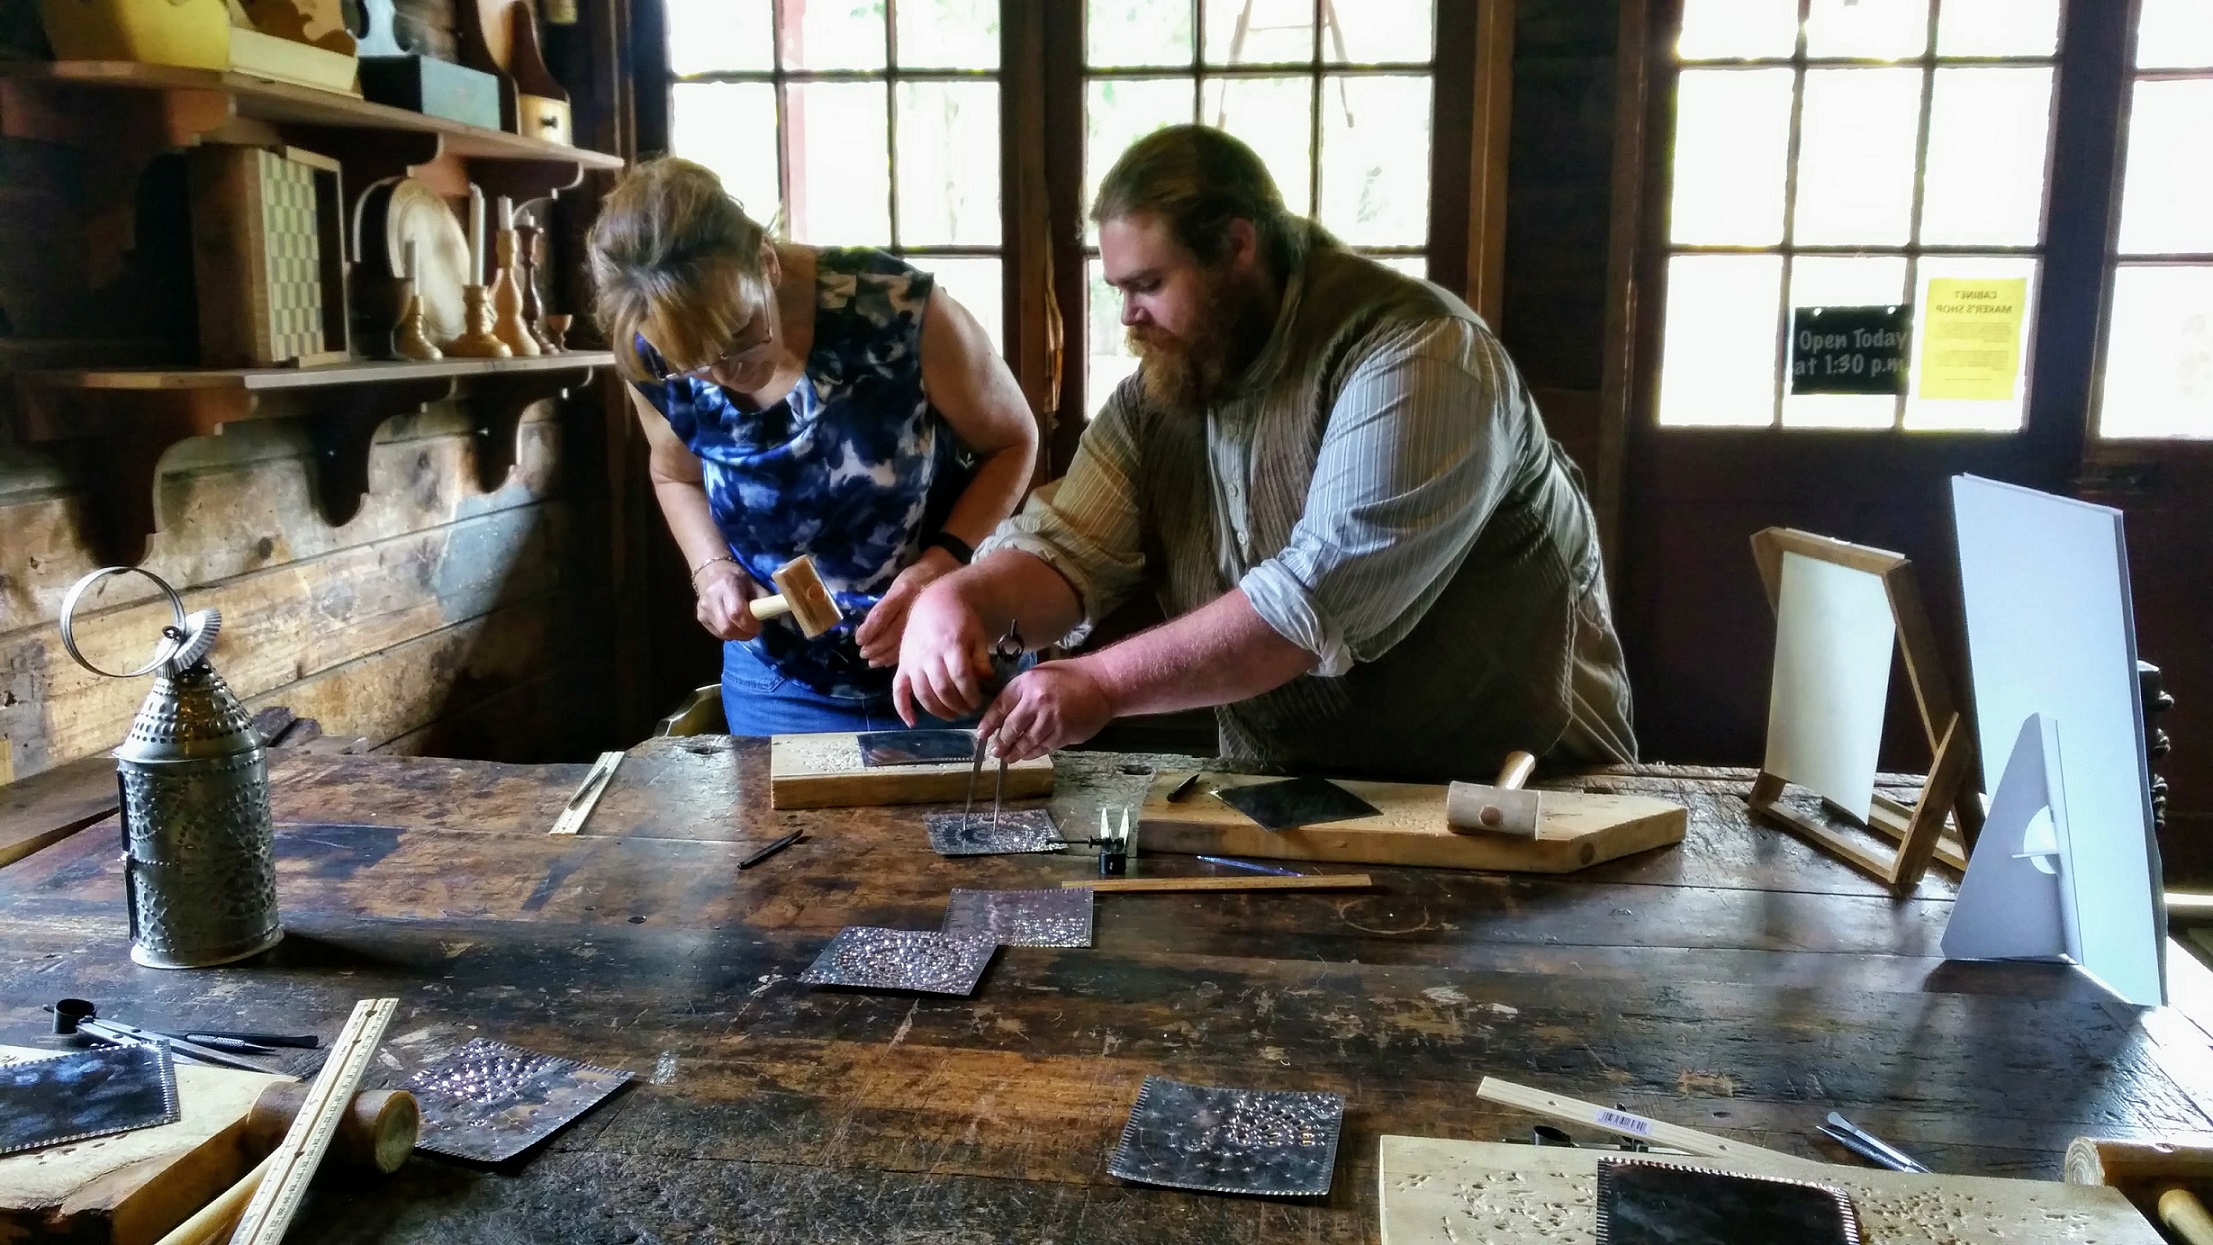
1190	372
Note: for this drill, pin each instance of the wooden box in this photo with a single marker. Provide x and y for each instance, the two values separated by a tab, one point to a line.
268	256
433	87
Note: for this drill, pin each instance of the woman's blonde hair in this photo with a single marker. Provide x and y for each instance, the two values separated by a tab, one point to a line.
675	260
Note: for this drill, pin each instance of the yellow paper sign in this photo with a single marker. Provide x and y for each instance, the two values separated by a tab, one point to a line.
1971	338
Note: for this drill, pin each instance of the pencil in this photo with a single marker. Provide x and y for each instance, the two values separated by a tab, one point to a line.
770	850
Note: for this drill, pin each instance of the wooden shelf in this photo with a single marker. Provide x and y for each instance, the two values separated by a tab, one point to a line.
272	379
111	426
284	103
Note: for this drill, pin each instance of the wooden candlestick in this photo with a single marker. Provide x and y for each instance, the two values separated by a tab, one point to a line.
507	302
557	331
477	341
409	338
530	252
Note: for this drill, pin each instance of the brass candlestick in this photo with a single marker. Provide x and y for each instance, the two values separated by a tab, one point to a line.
409	338
477	341
507	302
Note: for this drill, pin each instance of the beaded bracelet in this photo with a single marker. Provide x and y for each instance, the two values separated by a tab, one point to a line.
704	565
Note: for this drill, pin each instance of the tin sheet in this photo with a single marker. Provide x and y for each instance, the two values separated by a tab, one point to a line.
973	834
868	958
1296	802
1230	1140
488	1101
1648	1203
1059	917
881	748
87	1093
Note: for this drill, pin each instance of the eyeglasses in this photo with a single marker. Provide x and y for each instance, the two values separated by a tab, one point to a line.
730	359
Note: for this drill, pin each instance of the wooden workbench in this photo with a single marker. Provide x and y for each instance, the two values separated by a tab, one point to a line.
1740	983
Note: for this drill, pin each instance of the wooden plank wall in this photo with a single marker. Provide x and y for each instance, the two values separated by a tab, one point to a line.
440	619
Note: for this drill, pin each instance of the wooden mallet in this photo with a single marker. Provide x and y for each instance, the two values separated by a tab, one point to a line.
1504	808
802	595
377	1133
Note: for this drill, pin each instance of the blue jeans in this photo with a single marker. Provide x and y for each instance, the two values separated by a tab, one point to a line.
758	701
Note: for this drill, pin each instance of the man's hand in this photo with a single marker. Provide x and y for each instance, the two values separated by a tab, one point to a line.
880	632
1055	705
944	657
724	589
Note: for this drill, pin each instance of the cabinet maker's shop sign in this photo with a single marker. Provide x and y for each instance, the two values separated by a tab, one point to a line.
1849	349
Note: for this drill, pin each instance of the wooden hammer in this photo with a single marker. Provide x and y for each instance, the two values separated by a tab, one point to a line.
376	1133
802	595
2154	1175
1473	808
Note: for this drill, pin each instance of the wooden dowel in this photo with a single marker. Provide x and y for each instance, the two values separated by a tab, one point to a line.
1317	882
213	1221
2181	1210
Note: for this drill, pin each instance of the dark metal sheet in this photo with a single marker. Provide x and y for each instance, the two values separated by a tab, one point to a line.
87	1093
882	748
488	1101
869	958
980	834
1230	1140
1647	1203
1296	802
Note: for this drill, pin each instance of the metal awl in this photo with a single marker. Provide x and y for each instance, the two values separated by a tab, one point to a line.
1008	647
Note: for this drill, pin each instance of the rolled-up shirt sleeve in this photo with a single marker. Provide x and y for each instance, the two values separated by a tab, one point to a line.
1086	524
1413	462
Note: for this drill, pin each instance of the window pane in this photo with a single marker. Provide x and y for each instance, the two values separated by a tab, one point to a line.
1732	145
1838	281
731	128
1997	28
1375	159
1857	133
1383	32
1738	29
2174	34
1276	116
949	34
707	35
2000	336
1260	32
1107	355
1118	112
841	172
2167	193
1411	265
1717	362
1985	179
1868	29
1137	32
2159	360
975	284
846	34
948	163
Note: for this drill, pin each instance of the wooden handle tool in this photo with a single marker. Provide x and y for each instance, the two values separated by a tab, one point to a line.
376	1133
2181	1210
1504	808
803	595
1311	882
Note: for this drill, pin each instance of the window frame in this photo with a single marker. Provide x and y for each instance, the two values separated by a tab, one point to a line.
1042	80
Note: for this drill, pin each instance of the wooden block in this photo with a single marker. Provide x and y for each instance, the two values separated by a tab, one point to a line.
50	806
1435	1191
131	1188
1577	830
825	771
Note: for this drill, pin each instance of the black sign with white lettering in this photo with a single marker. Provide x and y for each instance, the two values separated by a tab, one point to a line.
1849	349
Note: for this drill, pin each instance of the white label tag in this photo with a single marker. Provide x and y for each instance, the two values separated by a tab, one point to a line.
1622	1120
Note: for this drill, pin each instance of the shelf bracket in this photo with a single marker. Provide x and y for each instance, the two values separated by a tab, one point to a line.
497	402
343	425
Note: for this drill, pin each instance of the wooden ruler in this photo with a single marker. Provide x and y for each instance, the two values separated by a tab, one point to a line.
1317	882
587	794
1622	1123
292	1165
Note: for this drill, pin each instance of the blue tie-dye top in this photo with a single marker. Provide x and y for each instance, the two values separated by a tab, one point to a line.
854	467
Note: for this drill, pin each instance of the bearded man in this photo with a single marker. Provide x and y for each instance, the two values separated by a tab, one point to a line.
1373	559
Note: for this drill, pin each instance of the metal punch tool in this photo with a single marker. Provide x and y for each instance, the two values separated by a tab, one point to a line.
1009	647
1868	1146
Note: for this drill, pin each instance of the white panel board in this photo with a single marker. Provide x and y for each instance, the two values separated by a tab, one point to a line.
2050	631
1834	632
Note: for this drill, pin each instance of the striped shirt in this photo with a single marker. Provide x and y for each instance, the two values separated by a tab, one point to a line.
1382	490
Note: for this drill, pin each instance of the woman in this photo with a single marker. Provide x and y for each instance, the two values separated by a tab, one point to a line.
801	400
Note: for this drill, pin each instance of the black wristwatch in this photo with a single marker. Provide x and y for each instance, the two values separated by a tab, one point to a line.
961	550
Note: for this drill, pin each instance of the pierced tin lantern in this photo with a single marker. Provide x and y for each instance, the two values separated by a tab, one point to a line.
199	853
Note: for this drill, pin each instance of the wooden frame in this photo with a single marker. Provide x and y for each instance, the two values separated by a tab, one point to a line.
1919	828
240	265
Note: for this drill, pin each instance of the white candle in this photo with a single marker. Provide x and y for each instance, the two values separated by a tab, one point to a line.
506	213
476	235
408	265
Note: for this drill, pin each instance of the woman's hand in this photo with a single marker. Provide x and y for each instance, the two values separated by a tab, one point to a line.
724	589
1055	705
880	632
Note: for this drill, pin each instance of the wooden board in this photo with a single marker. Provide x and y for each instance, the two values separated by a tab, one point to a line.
1577	829
1435	1192
46	808
131	1188
825	771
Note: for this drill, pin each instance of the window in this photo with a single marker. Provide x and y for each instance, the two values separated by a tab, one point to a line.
1857	153
2159	326
1336	96
863	122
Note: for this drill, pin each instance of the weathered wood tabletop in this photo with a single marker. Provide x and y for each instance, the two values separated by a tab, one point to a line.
1739	983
